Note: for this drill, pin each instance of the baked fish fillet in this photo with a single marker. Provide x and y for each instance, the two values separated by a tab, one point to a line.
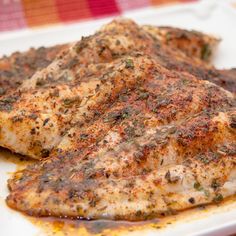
122	37
34	118
33	122
20	66
166	144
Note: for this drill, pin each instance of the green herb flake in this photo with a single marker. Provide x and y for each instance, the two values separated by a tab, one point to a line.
118	115
205	52
82	44
143	95
154	110
6	104
83	136
215	184
198	186
40	82
2	91
129	64
117	42
68	102
218	198
204	159
168	37
206	192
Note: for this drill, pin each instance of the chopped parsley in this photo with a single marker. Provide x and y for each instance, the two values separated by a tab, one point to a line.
129	64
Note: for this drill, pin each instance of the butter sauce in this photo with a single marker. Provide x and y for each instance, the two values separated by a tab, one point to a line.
65	227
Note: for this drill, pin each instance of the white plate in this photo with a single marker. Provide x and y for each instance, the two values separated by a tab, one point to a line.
215	17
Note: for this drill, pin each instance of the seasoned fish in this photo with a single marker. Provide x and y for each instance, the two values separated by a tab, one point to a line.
34	118
165	145
133	129
33	122
20	66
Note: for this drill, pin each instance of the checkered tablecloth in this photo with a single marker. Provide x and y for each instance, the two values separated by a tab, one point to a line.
20	14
